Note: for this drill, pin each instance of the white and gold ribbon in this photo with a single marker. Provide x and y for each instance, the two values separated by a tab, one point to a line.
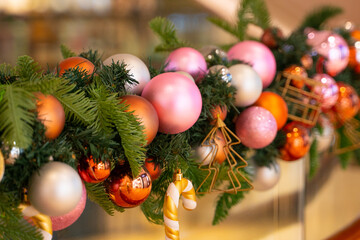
180	187
2	166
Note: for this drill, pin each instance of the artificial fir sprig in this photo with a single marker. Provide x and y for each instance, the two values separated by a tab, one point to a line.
66	52
318	17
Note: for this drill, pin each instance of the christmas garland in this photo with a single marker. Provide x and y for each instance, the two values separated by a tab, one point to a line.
84	127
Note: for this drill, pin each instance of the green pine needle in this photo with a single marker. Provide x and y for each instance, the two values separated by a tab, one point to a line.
314	159
27	68
93	56
66	52
318	17
224	203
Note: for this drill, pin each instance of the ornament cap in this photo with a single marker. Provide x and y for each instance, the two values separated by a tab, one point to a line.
220	123
178	175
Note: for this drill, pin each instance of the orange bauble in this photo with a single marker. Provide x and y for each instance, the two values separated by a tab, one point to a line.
297	142
299	71
206	153
275	104
218	111
51	114
153	168
74	62
93	171
145	111
347	104
354	61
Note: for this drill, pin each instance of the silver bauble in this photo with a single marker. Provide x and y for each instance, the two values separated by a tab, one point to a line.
211	52
265	177
204	154
137	69
10	155
55	189
223	72
248	84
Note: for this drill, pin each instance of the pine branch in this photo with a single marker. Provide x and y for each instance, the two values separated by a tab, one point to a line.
7	74
227	27
318	17
27	68
165	29
66	51
224	203
314	159
93	56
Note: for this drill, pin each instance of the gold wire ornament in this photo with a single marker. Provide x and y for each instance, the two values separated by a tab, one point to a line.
351	131
231	156
303	104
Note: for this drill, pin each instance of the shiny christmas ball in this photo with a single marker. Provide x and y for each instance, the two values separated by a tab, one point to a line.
327	136
298	71
307	61
297	142
55	189
332	47
10	155
51	114
354	58
248	84
275	104
64	221
266	177
2	166
258	56
176	99
153	168
218	111
137	70
270	36
76	62
145	112
347	105
211	53
204	154
188	60
128	191
328	90
93	171
223	72
256	127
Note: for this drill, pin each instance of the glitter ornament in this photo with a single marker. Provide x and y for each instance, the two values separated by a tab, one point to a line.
247	83
256	127
188	60
222	71
64	221
176	99
76	62
258	56
328	90
137	70
93	171
266	177
347	105
297	142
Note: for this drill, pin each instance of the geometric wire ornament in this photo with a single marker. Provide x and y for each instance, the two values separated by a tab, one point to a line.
232	158
303	104
351	131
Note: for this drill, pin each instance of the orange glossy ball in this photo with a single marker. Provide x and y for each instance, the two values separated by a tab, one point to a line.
354	60
218	111
51	114
92	171
126	191
275	104
347	105
146	113
153	168
205	153
297	142
356	35
74	62
299	71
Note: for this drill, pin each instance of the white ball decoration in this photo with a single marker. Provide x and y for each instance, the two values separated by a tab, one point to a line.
265	177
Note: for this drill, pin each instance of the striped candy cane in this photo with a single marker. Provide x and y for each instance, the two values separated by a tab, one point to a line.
181	186
43	222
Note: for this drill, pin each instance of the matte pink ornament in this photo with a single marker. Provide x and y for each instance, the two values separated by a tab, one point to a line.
332	47
188	60
329	90
64	221
176	99
258	56
256	127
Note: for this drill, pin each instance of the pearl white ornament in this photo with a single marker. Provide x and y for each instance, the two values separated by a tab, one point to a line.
265	177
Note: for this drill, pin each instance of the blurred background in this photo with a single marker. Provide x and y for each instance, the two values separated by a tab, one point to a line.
295	209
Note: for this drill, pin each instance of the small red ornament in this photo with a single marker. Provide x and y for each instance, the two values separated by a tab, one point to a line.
126	191
74	62
93	171
297	142
218	111
153	168
270	36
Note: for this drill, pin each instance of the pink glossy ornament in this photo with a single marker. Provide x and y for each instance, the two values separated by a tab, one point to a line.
188	60
176	99
256	127
64	221
328	91
332	47
258	56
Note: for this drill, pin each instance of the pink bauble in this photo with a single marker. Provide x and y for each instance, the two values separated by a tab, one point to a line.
256	127
332	47
188	60
258	56
64	221
137	69
328	91
177	101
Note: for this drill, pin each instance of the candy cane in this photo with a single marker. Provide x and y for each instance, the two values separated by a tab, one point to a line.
181	186
43	222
